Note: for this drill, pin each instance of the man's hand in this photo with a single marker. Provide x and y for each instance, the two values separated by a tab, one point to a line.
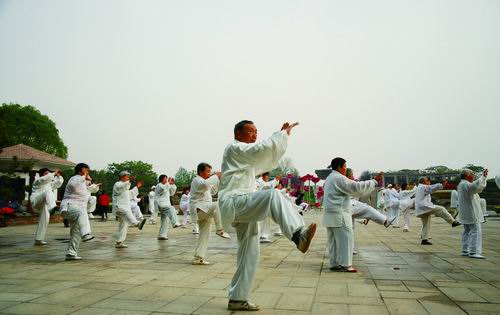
218	174
58	172
288	127
485	173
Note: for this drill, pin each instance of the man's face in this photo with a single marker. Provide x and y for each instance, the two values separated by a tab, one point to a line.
469	177
164	180
84	171
125	178
248	134
45	173
265	178
342	170
205	174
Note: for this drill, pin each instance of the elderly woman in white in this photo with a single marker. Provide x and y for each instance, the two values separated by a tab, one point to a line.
471	214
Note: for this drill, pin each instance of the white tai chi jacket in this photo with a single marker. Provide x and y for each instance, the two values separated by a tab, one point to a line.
201	192
423	203
163	193
337	201
49	182
76	193
454	199
240	163
261	184
121	196
471	211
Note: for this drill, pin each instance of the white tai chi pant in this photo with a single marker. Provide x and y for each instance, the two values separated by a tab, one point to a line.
250	209
365	211
405	207
185	215
426	219
340	241
265	228
125	219
204	222
41	203
167	212
472	239
79	222
394	212
136	211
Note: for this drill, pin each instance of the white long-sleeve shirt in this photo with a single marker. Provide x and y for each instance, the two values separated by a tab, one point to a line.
423	203
76	193
121	195
241	162
454	199
201	192
163	193
262	184
49	182
337	201
471	211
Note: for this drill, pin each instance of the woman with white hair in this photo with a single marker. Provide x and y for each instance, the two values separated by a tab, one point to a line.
471	214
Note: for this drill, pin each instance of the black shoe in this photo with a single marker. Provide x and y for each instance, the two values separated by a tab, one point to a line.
455	223
425	242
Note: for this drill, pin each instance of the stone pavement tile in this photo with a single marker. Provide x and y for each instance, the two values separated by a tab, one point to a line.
17	297
404	306
186	304
414	295
150	293
131	305
348	300
442	307
39	309
265	300
391	285
368	309
7	304
208	292
338	289
94	311
125	312
458	284
106	286
362	290
491	295
287	290
276	281
437	276
298	302
480	308
462	294
305	282
46	286
420	286
219	284
331	309
137	280
215	306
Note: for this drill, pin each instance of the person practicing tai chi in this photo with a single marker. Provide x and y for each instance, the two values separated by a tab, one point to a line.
243	206
151	206
405	203
121	208
203	187
393	206
424	207
134	200
184	206
92	203
337	216
43	200
164	189
471	214
74	209
263	182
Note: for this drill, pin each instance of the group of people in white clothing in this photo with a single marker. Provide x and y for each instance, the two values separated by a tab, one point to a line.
249	205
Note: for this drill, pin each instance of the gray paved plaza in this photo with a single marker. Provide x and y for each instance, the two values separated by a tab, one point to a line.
397	275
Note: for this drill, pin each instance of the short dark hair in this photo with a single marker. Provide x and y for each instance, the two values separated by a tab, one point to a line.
79	167
404	185
239	126
42	170
201	167
161	177
337	162
265	174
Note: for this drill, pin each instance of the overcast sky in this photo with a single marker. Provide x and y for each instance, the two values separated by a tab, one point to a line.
385	84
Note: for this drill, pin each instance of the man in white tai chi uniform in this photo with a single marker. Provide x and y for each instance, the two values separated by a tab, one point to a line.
43	199
337	216
164	189
134	200
243	206
406	202
74	209
151	206
203	187
121	208
471	214
424	207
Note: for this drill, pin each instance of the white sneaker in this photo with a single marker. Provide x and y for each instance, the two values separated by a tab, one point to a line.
162	238
265	240
278	234
40	243
120	245
177	225
477	256
87	237
388	222
195	232
406	230
223	234
199	261
465	253
73	257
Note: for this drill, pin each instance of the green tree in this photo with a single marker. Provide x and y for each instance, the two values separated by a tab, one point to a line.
141	170
439	169
25	124
183	177
474	168
285	167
